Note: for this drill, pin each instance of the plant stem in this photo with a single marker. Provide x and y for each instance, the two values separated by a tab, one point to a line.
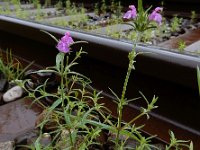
70	136
122	102
63	93
134	119
62	80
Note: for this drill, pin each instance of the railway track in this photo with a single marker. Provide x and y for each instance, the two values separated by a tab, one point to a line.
166	73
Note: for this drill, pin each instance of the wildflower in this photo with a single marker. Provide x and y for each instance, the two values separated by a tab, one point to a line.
65	42
131	14
156	16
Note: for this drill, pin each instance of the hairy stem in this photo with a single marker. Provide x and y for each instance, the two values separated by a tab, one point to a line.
121	104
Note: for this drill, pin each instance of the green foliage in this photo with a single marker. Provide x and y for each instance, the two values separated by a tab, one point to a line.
11	67
96	8
76	119
47	3
59	5
193	16
71	8
175	23
15	2
181	45
177	144
103	7
36	3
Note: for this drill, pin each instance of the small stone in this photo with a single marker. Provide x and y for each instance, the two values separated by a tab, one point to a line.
9	145
45	139
175	34
192	27
171	37
3	83
13	94
149	42
198	25
64	142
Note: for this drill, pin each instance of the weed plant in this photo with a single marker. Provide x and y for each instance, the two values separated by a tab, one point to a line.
76	119
11	68
181	45
176	23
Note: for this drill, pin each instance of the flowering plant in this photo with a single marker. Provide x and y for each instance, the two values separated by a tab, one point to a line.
142	20
72	122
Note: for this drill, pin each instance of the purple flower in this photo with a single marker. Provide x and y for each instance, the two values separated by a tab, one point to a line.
131	14
64	43
158	9
156	16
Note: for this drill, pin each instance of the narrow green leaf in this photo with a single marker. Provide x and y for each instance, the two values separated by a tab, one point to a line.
191	145
115	95
59	59
140	6
67	118
50	35
55	104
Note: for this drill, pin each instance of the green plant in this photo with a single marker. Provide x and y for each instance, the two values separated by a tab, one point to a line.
140	24
70	111
193	16
11	67
181	45
38	12
47	3
96	8
5	10
15	2
71	8
175	23
103	7
177	144
36	3
59	5
75	119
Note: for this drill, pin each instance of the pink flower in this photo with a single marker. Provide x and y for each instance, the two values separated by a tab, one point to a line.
131	14
64	43
158	9
156	16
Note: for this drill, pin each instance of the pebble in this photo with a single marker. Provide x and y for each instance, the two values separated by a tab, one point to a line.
13	94
192	27
8	145
45	139
198	25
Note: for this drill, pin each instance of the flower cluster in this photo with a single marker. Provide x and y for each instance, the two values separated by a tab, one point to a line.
64	43
154	16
